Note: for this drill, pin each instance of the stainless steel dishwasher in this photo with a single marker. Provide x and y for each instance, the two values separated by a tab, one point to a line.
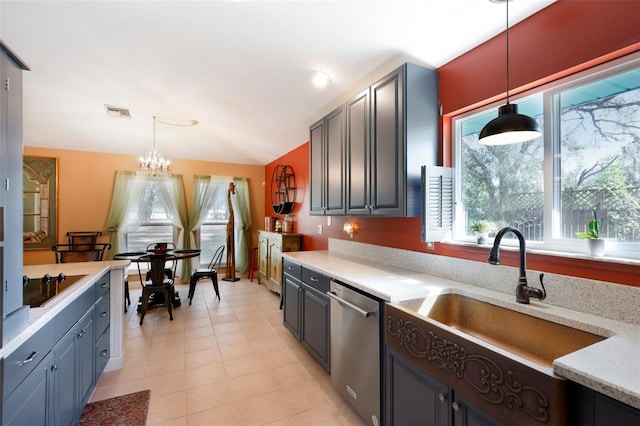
355	350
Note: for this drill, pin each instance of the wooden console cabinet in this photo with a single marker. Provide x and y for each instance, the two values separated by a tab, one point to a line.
271	245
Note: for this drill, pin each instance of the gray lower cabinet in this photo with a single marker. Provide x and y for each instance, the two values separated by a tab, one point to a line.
414	397
306	310
595	409
48	380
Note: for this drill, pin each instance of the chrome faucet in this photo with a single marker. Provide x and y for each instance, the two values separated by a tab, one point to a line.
523	291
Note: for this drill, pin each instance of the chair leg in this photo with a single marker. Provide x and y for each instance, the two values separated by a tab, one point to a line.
127	299
169	296
214	280
192	289
145	304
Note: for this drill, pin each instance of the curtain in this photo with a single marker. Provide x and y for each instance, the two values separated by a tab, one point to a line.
126	194
242	222
171	190
206	190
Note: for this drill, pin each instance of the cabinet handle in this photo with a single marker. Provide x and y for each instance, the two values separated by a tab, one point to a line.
103	314
29	359
291	268
54	367
455	406
442	397
104	353
314	279
104	285
82	332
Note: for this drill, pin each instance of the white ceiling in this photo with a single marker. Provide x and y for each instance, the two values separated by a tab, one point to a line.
241	68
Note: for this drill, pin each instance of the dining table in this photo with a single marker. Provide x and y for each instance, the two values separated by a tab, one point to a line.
157	260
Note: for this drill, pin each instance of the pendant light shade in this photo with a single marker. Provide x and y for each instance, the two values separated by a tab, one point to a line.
509	127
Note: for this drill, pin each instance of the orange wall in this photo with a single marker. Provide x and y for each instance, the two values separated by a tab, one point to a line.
568	35
85	183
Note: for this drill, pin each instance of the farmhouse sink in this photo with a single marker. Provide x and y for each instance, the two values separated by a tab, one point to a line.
498	358
538	340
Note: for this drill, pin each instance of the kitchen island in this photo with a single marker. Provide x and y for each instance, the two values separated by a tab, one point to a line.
610	367
52	364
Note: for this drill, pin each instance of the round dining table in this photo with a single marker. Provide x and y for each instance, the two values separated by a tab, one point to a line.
157	260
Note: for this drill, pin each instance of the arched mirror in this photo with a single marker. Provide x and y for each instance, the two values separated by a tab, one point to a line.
39	188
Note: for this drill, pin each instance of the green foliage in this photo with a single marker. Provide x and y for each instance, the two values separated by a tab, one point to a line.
594	229
482	226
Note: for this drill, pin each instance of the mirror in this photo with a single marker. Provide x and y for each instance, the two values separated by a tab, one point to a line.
40	196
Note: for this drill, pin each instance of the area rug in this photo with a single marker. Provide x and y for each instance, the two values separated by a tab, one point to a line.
125	410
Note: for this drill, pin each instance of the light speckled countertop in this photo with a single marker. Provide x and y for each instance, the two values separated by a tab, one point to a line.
40	316
611	367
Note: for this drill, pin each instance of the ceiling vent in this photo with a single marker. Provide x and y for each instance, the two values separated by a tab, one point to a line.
118	112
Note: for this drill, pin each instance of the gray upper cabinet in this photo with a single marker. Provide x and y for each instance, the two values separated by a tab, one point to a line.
327	141
14	315
390	131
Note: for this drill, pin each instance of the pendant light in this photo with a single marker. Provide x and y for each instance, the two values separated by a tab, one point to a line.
509	127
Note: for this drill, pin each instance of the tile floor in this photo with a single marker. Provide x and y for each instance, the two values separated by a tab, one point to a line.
228	362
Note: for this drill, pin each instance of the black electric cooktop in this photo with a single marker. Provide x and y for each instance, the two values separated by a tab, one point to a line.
38	291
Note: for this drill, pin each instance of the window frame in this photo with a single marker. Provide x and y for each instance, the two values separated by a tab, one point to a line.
551	160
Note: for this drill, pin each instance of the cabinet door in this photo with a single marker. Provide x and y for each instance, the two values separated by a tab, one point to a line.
467	414
64	376
27	405
357	156
275	265
316	168
315	324
335	163
292	289
414	397
263	256
387	146
85	341
12	196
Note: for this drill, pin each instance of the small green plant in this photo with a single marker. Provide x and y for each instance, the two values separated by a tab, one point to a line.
594	229
482	226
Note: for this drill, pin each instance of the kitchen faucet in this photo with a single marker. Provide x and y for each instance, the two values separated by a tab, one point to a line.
523	291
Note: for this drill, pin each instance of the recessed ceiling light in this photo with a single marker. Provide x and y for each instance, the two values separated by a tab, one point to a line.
118	112
320	79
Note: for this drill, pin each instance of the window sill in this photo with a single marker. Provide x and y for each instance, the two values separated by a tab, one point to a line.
610	269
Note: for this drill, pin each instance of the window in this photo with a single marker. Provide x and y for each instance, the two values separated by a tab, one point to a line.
587	160
213	231
155	225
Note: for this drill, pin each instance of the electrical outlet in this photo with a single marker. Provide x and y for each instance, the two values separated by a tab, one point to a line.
319	229
431	246
328	220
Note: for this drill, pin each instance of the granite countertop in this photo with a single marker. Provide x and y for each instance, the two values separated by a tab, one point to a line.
611	366
41	315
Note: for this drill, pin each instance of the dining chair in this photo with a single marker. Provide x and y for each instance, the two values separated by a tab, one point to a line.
65	253
157	285
211	272
83	240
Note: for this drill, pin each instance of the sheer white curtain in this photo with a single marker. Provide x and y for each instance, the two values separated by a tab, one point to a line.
206	191
128	191
171	191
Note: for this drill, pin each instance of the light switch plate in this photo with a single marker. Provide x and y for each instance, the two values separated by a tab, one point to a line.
328	220
319	229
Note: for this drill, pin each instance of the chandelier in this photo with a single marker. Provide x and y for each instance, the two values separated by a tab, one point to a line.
153	164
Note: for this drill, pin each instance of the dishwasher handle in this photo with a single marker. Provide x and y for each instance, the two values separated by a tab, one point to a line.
350	305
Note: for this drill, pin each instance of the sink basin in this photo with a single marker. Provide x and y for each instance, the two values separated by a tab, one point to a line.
532	338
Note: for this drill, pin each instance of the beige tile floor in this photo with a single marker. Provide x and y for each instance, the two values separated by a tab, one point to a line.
227	362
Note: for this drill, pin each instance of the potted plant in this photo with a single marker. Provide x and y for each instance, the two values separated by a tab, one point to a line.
596	244
482	228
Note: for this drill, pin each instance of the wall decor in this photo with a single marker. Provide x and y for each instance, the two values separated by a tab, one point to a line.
40	202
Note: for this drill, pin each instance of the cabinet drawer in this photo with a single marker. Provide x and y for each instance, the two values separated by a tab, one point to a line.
23	360
293	269
316	280
102	285
102	353
70	315
103	315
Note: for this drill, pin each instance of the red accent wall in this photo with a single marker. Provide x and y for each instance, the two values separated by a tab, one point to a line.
568	36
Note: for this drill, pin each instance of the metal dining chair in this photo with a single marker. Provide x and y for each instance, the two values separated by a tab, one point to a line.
211	272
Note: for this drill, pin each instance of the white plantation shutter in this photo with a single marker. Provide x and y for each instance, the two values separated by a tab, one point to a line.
438	205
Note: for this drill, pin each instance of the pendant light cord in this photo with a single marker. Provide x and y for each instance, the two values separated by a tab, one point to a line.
507	35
